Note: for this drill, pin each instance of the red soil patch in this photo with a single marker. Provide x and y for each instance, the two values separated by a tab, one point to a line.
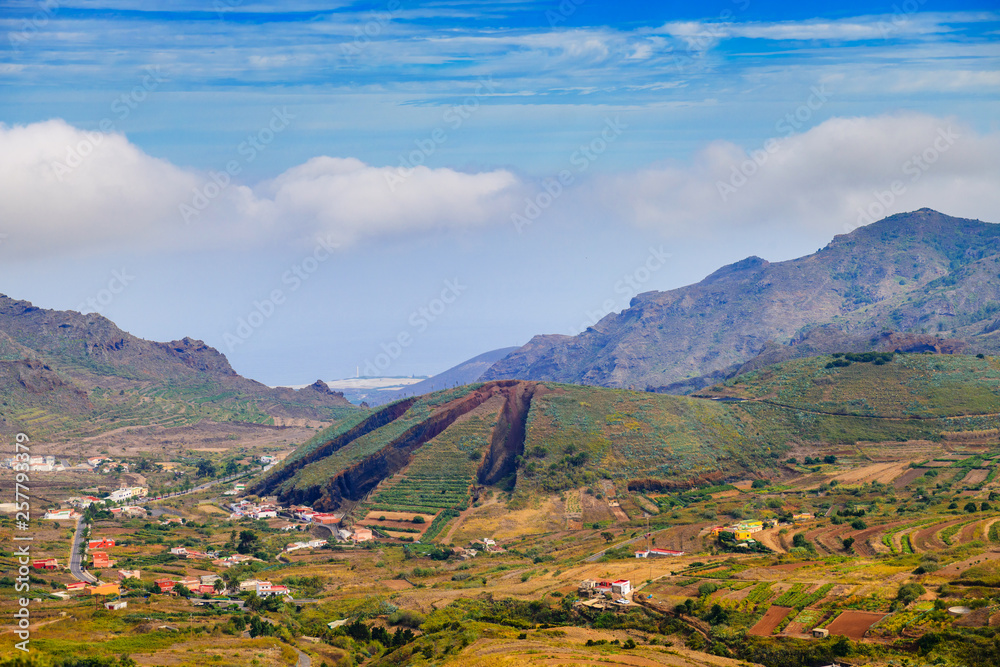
854	624
772	618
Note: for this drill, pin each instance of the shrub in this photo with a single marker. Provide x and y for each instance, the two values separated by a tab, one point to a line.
419	519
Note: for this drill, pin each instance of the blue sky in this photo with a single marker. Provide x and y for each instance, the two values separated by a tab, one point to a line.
412	137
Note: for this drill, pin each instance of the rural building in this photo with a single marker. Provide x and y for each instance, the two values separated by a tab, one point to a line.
165	585
325	518
267	589
251	585
658	552
820	633
101	560
115	605
105	589
128	574
751	526
362	534
804	516
127	493
621	588
76	585
60	514
103	543
45	564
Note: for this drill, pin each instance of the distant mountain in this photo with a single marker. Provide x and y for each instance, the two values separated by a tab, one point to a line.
913	281
466	372
63	372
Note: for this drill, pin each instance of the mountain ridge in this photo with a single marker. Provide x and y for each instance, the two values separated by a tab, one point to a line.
62	370
919	273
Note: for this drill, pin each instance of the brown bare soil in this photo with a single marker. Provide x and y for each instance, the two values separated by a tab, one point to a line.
928	539
854	624
975	477
771	620
879	472
907	477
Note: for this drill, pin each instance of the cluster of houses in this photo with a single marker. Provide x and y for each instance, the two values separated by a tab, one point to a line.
36	464
49	464
201	585
100	559
193	553
244	509
309	515
744	530
311	544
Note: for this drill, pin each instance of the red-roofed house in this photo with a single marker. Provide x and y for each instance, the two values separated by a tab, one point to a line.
45	564
103	543
165	585
101	560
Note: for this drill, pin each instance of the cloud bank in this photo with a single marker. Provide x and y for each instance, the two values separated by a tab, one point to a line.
63	189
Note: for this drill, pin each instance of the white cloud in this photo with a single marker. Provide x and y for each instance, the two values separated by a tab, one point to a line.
64	189
350	199
823	178
61	187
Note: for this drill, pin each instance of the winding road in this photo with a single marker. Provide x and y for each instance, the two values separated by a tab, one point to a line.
75	556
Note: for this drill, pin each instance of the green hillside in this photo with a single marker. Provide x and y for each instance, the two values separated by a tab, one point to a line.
877	384
431	453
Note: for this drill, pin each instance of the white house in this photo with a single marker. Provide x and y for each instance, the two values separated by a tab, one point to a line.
267	589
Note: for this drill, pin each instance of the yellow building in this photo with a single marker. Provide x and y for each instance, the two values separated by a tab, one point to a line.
105	589
742	535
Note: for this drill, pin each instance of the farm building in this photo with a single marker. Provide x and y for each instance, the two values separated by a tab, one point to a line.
105	589
101	560
658	552
115	605
45	564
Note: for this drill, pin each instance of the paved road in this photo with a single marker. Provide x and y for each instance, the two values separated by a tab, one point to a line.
76	555
304	659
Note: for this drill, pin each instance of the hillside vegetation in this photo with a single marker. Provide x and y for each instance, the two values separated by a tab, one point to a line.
65	374
435	452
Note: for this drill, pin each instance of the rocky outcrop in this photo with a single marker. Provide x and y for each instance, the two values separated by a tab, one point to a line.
914	276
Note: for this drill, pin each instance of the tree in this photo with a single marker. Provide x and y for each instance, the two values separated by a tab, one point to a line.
970	507
248	542
218	585
859	524
848	542
908	593
607	536
206	468
232	467
829	458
